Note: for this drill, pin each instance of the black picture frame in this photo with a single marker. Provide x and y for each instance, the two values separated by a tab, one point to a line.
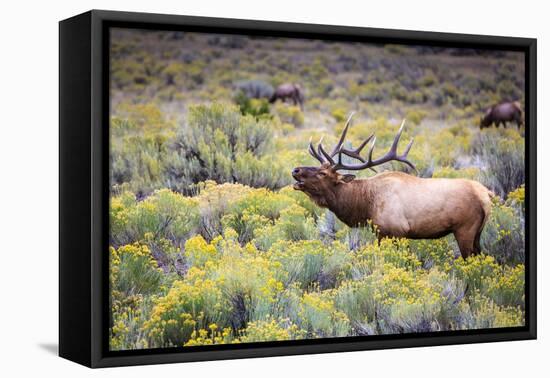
84	189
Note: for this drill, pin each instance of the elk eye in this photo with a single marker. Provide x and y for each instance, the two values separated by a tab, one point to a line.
321	174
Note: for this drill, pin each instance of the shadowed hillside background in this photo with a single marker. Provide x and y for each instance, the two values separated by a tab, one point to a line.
210	244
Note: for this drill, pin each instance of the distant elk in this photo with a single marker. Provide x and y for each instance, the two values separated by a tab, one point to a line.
289	91
502	113
397	204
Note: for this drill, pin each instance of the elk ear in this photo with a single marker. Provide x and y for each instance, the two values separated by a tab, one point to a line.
347	178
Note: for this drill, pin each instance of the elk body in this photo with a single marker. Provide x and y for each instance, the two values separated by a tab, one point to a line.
288	91
398	204
502	113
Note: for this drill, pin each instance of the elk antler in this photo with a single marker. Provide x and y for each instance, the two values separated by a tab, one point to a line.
320	154
339	150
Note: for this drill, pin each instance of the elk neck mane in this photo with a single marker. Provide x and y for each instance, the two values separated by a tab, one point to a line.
351	202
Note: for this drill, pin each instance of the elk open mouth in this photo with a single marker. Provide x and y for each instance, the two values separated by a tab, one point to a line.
298	185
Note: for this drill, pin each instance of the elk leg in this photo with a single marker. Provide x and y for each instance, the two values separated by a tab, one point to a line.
518	121
465	237
477	243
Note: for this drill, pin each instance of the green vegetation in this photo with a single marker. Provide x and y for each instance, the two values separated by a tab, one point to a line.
268	274
211	245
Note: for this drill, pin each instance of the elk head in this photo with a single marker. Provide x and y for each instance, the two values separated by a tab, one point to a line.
321	183
485	120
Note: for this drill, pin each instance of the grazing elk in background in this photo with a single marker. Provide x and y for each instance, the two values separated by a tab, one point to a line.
289	91
502	113
398	204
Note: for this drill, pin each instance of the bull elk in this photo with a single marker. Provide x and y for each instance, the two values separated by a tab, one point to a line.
398	204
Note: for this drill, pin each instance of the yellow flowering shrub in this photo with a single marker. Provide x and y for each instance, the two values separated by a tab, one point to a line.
184	309
210	243
271	330
395	252
293	224
133	270
321	318
437	252
198	252
485	313
255	210
477	271
164	214
508	289
214	201
516	198
128	315
393	284
118	215
303	201
212	336
251	284
396	300
227	285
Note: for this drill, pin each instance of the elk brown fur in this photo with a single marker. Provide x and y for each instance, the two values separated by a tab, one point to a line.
502	113
397	204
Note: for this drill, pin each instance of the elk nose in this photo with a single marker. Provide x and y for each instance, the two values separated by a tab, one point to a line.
295	171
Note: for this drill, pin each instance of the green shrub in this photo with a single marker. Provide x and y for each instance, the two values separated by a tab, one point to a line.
509	288
293	224
256	209
185	308
139	148
310	262
416	116
134	270
487	314
321	318
477	271
504	234
503	153
128	313
290	114
214	202
257	108
220	144
243	257
437	252
163	215
339	114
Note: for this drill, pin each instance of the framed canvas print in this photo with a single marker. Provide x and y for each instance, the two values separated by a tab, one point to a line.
233	188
